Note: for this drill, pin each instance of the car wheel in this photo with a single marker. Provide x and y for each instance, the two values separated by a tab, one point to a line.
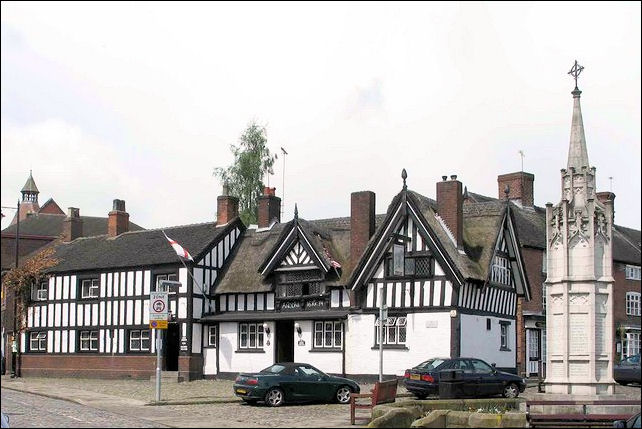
511	391
343	395
274	397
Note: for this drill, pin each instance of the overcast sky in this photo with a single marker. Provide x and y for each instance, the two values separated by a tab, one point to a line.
141	101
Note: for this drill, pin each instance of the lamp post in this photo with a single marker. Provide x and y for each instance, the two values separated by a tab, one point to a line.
14	350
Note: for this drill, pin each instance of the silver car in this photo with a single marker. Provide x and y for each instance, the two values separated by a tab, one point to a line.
628	370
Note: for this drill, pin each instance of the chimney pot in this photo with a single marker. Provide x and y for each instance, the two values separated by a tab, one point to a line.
444	178
118	221
269	207
453	177
72	225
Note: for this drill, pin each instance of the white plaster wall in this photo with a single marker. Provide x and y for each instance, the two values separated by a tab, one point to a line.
209	363
230	361
329	362
477	341
423	342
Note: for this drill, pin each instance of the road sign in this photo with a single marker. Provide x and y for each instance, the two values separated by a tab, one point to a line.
158	324
158	306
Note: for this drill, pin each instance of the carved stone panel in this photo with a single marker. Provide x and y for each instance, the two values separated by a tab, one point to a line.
578	333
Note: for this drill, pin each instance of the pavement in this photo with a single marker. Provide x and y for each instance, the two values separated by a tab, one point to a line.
201	403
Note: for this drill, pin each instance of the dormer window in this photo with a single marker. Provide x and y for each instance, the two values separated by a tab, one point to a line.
500	270
39	291
400	263
299	289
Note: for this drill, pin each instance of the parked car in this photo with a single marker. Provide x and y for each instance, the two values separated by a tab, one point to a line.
293	382
633	422
627	371
478	378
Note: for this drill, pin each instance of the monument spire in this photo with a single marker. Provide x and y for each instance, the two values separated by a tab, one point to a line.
577	153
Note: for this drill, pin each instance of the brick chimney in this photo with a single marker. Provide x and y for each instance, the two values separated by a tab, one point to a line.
450	203
227	207
118	219
269	207
362	223
520	185
72	225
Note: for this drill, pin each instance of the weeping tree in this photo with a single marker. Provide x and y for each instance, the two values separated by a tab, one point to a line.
18	282
244	178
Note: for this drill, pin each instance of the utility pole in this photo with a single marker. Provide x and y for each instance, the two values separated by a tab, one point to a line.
383	315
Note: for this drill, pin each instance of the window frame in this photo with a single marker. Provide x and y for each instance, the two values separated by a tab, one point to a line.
633	272
41	336
629	342
259	337
140	340
500	273
37	289
166	275
212	337
413	256
92	286
504	336
633	302
394	323
335	327
90	339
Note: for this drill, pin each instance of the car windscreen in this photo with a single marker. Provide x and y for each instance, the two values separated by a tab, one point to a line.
430	364
274	369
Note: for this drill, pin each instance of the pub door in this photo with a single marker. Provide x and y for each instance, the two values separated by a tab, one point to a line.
284	350
171	346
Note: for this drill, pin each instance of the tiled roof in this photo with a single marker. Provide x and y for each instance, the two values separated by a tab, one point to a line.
51	225
138	248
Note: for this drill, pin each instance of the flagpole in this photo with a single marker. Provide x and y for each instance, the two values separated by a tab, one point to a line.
209	304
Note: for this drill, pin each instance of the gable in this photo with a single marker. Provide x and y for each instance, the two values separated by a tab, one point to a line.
403	220
294	250
507	266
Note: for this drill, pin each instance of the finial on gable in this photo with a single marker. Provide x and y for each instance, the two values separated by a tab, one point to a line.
296	211
404	176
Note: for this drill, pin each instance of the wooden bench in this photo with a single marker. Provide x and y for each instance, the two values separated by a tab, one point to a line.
382	393
583	419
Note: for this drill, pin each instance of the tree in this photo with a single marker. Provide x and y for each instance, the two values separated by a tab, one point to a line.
244	178
18	281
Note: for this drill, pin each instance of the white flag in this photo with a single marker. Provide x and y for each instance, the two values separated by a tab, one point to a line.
178	248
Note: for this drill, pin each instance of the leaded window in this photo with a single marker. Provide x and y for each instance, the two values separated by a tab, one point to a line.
88	341
394	330
631	346
633	303
139	340
172	277
500	270
328	334
250	335
211	336
293	290
90	288
504	335
38	341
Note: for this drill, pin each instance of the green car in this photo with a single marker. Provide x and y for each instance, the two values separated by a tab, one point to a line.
293	382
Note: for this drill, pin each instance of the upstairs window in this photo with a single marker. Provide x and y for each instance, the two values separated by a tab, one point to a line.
300	289
633	303
500	270
90	288
633	272
211	336
40	291
172	277
400	263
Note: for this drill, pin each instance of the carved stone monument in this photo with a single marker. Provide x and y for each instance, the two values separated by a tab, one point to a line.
579	286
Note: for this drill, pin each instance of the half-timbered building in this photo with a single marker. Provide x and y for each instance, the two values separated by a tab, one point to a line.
310	290
91	316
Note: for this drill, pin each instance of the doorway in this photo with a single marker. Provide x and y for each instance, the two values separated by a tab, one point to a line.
170	347
284	349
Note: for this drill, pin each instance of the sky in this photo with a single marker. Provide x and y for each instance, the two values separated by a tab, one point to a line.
141	101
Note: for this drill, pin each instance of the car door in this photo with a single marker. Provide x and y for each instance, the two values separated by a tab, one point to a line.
469	387
488	381
312	384
289	380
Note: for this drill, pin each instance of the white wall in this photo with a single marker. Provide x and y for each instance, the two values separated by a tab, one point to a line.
209	362
329	362
230	361
477	341
423	342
